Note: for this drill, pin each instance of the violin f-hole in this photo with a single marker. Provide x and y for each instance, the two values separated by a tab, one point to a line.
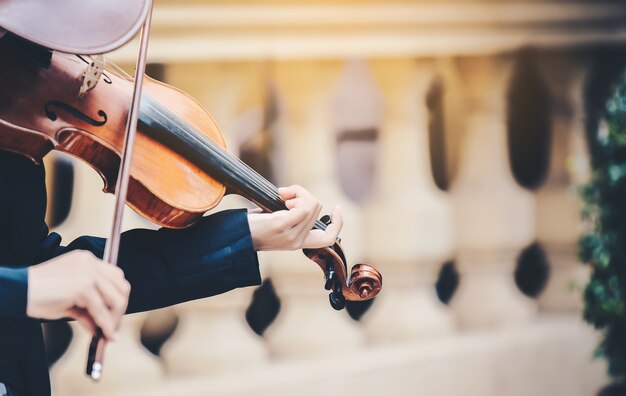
52	116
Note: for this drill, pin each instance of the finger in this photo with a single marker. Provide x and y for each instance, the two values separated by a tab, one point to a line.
336	220
294	202
306	202
319	238
286	193
113	297
300	197
255	210
291	192
307	224
294	217
313	208
81	316
97	310
116	276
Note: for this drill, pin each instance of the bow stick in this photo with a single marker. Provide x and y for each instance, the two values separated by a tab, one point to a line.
111	253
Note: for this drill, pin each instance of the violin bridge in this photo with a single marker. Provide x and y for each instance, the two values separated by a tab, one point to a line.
91	75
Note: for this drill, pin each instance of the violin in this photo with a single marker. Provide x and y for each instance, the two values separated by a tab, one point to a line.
180	169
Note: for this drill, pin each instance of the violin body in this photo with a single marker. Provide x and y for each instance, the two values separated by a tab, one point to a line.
180	168
164	186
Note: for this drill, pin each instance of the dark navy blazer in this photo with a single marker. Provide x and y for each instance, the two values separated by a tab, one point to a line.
164	267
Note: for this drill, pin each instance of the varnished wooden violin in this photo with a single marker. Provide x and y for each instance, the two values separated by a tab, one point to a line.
180	167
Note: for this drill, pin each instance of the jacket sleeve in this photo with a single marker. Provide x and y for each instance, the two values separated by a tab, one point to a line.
13	291
166	267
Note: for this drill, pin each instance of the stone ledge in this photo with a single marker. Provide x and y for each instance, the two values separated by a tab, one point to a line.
187	32
550	357
248	16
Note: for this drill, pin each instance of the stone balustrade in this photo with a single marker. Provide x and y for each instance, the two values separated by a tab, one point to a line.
491	339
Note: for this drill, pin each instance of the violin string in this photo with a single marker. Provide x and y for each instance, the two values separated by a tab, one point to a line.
273	189
259	182
222	154
262	185
266	188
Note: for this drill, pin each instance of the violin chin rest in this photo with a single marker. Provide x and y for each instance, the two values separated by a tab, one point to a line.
75	26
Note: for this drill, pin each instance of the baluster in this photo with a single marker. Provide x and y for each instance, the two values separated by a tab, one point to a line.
558	205
212	334
306	153
494	216
408	224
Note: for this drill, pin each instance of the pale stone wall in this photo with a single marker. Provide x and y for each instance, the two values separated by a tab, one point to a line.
297	76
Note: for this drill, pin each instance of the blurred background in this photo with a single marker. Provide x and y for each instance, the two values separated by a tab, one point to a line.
453	136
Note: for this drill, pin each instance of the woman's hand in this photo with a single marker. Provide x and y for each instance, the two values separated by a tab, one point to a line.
80	286
292	229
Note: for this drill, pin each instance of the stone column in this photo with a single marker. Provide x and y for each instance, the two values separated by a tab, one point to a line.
408	222
494	216
212	334
306	155
559	224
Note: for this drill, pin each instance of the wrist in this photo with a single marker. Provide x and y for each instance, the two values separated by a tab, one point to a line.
253	224
31	304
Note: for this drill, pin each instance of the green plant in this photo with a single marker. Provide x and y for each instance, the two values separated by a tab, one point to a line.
603	247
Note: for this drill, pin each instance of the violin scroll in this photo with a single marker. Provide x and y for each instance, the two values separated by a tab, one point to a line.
363	283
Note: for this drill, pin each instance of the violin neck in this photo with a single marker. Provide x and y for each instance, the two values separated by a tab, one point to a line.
162	125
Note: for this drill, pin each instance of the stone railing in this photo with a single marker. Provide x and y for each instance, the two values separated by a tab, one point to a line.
365	116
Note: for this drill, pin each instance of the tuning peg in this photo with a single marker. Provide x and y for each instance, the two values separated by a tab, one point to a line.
337	300
330	278
325	219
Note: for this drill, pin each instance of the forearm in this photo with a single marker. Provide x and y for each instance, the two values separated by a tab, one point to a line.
167	267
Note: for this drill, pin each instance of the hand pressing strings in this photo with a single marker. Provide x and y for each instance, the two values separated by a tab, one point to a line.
292	229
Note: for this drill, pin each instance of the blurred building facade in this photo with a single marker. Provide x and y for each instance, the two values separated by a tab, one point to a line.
452	135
